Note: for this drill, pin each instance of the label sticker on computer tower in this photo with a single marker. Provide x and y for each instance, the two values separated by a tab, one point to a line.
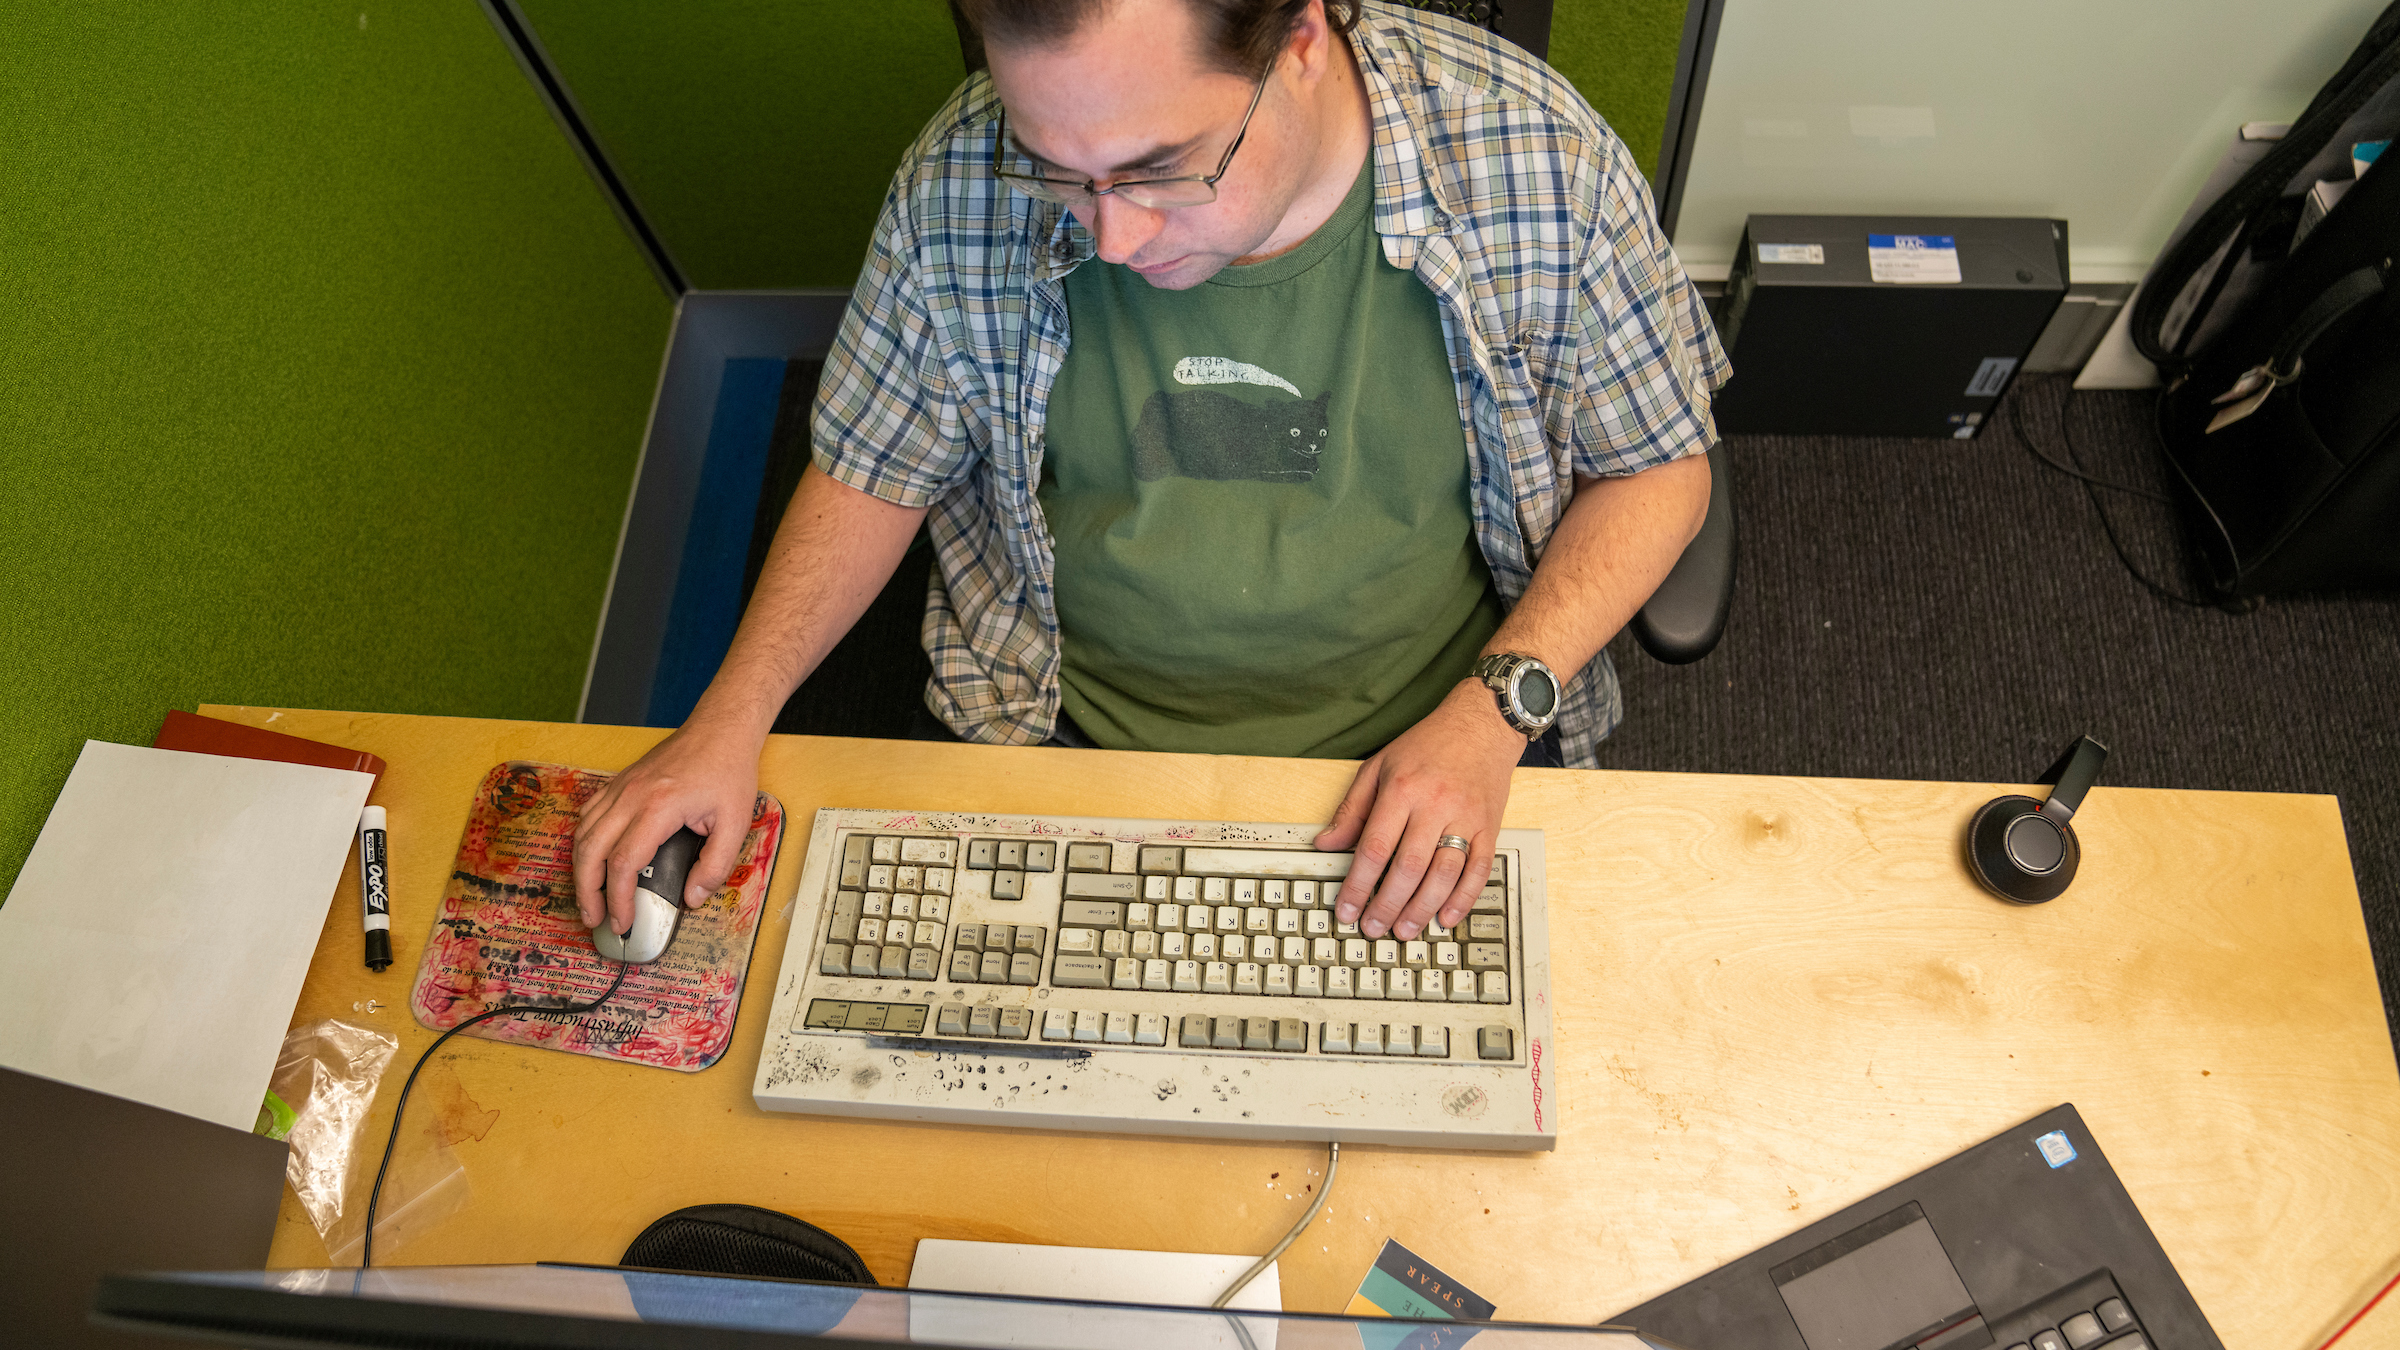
1791	253
1991	377
2056	1151
1913	259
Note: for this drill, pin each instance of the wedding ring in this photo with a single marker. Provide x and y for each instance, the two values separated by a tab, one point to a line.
1454	841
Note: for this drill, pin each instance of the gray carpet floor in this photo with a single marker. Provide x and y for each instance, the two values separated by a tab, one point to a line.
1954	610
1935	610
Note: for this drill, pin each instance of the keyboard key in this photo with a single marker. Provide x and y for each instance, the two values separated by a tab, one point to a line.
1367	1039
1334	1038
1436	931
1495	987
951	1020
1275	893
1150	1029
1293	952
1146	945
1317	923
1087	857
1159	858
1400	984
1195	1033
1416	955
1217	890
1141	916
1125	973
2049	1339
1492	900
1187	890
1204	947
1462	986
1495	1043
1216	978
998	937
967	937
1487	928
1175	946
1278	980
932	907
892	964
1119	1029
854	848
1344	930
845	928
1041	857
1433	1043
886	848
994	968
1310	894
1387	952
1248	978
1187	977
1170	917
1291	1034
1091	913
1079	972
924	964
1011	855
2081	1330
1370	982
1116	942
1245	893
1339	982
1016	1023
1229	918
1058	1025
943	851
1263	862
879	877
1158	977
1486	956
962	966
870	931
980	853
1234	948
875	904
982	1022
1029	939
1258	1033
1078	942
1155	889
1308	981
1399	1040
1102	886
1008	885
854	871
2114	1315
1088	1025
1287	922
909	879
1258	921
835	961
1356	951
1227	1034
927	934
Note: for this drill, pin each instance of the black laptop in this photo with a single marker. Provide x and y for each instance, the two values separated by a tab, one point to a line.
2026	1241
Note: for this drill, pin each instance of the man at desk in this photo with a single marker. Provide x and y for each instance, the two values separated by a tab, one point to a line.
1382	381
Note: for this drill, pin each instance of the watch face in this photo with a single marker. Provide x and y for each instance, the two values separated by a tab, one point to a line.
1537	694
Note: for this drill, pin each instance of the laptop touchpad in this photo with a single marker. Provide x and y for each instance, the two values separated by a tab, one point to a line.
1884	1284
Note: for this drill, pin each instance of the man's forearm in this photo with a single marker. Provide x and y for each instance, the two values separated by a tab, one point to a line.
832	554
1615	543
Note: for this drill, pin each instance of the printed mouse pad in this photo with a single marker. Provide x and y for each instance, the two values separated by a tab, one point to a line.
507	932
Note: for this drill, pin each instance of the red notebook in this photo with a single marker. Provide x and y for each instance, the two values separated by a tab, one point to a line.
209	736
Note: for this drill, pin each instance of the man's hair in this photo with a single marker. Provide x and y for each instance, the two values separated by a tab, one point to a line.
1242	37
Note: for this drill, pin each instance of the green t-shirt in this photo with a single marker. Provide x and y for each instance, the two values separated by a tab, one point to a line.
1257	489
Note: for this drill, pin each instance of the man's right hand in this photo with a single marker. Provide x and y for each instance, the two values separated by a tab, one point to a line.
702	776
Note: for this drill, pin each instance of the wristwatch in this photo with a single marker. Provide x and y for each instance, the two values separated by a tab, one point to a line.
1526	690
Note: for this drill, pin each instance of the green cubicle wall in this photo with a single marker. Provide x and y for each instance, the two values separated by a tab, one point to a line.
323	371
758	136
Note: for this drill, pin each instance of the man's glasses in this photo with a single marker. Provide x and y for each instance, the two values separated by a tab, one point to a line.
1157	194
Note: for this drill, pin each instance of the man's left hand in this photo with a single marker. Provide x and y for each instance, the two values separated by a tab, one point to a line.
1448	774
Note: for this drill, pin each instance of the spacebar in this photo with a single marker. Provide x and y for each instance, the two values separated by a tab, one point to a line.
1307	864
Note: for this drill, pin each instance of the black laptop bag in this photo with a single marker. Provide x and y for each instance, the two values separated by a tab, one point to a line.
2281	415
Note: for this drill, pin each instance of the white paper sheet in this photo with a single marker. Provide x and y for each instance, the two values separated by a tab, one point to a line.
154	945
1193	1279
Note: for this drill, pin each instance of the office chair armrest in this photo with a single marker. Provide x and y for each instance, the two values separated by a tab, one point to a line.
1686	614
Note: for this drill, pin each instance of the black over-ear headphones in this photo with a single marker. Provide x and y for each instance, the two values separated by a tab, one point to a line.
2024	850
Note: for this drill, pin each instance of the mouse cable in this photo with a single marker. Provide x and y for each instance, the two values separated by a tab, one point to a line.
366	1253
2354	1317
2107	527
1333	1163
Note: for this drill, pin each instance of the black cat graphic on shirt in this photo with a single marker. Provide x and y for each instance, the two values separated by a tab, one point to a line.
1200	433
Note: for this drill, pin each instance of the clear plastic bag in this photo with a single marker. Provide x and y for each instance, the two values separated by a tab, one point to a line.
327	1074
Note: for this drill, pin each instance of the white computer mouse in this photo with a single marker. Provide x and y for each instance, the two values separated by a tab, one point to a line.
656	916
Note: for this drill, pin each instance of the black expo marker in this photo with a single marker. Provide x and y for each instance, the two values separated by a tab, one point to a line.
375	888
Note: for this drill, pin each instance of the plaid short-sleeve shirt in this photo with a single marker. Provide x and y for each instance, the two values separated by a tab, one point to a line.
1576	342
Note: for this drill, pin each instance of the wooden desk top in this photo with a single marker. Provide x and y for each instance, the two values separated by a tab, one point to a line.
1774	997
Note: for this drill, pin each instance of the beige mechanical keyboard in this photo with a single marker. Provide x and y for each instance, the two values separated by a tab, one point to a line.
1169	977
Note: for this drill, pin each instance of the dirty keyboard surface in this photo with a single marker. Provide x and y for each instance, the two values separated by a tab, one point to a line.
1158	977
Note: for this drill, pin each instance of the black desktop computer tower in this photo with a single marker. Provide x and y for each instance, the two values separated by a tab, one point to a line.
1884	325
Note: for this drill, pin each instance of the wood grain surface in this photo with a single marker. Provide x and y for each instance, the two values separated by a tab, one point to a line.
1774	996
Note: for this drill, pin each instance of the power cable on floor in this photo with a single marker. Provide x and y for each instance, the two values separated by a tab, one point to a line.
2108	527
